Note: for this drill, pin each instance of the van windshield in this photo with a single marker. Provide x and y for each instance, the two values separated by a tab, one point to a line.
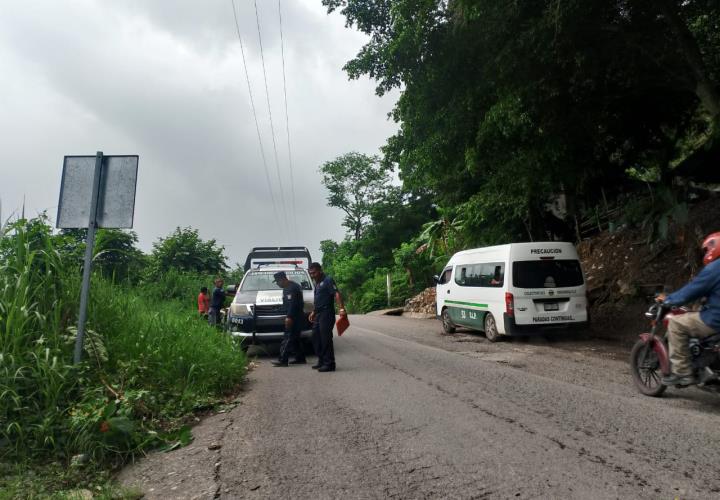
547	273
263	280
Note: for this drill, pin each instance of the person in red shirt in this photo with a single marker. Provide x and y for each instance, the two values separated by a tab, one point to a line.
203	302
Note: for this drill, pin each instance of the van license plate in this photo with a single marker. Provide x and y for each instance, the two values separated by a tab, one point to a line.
551	306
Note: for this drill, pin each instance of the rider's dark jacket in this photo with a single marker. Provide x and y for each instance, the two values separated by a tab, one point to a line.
706	284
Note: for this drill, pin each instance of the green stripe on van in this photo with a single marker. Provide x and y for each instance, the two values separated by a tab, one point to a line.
466	303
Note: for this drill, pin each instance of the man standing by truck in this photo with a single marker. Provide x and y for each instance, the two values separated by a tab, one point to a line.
294	318
323	317
216	302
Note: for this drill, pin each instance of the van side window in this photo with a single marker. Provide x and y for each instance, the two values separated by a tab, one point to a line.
461	275
491	275
445	276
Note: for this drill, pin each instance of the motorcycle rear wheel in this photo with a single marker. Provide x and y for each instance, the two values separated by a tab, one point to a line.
646	373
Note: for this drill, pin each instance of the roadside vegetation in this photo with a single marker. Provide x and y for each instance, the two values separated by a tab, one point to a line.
149	361
523	121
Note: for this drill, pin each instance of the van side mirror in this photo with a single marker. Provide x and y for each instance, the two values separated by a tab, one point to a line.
436	278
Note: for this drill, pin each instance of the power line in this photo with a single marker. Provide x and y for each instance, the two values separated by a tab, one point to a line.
272	127
257	126
287	121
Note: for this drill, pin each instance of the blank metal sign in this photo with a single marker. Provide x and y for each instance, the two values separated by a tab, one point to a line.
116	199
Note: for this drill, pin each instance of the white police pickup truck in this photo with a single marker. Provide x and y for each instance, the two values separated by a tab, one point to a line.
256	314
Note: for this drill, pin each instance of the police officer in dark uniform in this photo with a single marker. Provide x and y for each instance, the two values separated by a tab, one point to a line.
323	317
294	319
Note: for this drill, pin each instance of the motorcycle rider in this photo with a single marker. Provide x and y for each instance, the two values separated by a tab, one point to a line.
694	324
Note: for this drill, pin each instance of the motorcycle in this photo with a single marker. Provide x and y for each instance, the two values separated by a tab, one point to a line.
649	359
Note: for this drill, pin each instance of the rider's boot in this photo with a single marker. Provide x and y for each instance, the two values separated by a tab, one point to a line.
707	375
681	380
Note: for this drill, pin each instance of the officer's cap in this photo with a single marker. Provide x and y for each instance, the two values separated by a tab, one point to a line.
278	276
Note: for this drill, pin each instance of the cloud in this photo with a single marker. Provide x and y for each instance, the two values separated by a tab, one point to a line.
166	81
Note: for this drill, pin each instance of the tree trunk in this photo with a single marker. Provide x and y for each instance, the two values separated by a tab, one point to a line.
704	87
411	281
358	228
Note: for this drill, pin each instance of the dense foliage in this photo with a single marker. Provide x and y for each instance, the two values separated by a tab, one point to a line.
185	251
149	359
505	105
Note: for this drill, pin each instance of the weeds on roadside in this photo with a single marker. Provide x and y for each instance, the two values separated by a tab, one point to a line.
148	359
55	481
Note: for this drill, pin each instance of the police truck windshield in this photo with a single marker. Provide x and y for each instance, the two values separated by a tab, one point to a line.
263	280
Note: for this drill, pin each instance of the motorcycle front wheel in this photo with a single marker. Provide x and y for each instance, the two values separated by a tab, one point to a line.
645	368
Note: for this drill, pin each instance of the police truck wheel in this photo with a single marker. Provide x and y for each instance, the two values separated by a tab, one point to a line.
491	331
448	325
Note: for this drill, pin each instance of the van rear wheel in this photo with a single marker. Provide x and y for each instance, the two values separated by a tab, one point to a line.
448	325
491	330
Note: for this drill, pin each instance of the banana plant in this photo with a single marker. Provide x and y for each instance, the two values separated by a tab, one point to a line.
441	236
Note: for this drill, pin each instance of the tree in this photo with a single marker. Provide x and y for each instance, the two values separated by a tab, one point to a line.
355	182
394	219
678	16
116	254
503	104
348	267
184	250
440	237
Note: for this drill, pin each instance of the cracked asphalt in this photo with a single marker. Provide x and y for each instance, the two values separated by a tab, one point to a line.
411	413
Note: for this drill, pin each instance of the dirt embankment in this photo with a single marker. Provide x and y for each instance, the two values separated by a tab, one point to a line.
624	269
422	305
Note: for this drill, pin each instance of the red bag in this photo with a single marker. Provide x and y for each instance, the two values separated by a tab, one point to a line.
342	324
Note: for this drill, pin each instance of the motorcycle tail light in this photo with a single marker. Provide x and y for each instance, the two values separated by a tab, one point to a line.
509	304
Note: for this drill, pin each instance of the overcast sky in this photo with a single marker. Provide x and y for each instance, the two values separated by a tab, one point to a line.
165	80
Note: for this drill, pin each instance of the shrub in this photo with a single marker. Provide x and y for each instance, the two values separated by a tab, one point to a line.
148	358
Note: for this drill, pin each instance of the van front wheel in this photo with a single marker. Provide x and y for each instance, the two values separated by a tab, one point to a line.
448	325
491	331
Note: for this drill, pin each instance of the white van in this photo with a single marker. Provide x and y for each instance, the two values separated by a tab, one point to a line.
515	289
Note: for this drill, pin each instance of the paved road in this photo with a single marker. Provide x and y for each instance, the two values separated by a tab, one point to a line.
411	413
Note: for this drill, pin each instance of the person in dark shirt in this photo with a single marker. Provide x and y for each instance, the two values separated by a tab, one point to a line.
216	302
323	317
294	318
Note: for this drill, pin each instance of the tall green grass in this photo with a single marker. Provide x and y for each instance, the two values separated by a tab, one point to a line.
148	361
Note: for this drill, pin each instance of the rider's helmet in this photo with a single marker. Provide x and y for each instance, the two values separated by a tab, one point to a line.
711	248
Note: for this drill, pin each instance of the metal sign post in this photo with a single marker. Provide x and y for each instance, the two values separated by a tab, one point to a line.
389	289
87	267
95	194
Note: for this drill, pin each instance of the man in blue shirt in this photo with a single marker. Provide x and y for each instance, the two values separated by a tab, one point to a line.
323	317
694	324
